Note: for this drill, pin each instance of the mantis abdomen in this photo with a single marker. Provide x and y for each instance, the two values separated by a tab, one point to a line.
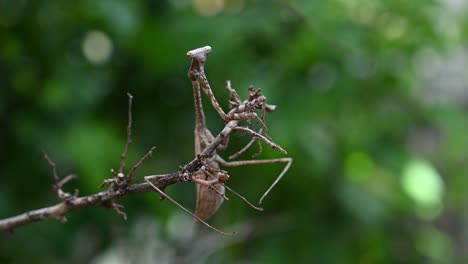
208	200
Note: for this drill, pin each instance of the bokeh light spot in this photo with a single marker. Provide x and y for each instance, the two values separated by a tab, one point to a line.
97	47
422	183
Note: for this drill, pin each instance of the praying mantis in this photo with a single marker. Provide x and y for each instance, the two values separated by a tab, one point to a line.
210	179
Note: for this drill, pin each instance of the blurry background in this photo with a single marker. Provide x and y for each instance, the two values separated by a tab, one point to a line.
372	105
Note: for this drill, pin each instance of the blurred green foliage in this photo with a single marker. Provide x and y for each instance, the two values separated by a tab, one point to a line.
372	105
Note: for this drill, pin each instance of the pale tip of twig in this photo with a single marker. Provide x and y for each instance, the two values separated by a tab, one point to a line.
130	95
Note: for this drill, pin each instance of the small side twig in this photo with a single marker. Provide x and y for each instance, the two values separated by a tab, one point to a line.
123	157
118	209
59	183
52	167
67	178
145	157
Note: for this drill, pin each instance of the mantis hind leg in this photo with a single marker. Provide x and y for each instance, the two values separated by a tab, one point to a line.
148	180
288	162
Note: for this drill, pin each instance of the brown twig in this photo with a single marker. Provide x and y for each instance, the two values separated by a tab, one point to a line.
118	209
67	178
52	167
58	211
123	157
132	171
57	187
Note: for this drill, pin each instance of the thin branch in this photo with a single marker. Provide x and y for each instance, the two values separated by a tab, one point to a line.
65	180
132	171
52	167
58	210
123	157
118	209
57	187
